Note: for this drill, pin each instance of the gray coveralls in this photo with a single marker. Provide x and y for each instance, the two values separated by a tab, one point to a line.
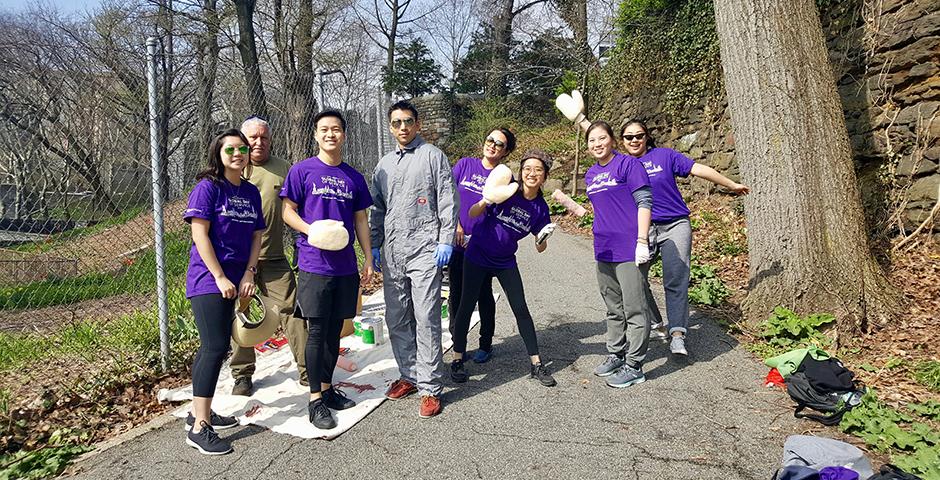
415	209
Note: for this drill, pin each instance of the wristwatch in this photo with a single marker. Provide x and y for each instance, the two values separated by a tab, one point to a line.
253	269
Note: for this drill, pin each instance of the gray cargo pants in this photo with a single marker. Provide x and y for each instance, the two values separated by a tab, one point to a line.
624	291
673	243
412	290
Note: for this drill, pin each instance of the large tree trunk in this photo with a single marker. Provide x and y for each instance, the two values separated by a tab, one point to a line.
245	10
806	231
167	64
207	60
502	36
574	14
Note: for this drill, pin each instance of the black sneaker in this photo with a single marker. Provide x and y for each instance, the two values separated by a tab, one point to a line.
207	441
242	386
337	399
540	373
320	415
218	421
457	372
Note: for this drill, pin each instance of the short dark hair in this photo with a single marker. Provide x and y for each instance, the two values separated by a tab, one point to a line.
600	124
330	113
403	105
650	142
510	139
214	169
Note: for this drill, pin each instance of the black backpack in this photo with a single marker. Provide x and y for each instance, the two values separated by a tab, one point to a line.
825	386
890	472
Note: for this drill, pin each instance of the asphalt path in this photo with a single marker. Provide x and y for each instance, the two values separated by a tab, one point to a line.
702	417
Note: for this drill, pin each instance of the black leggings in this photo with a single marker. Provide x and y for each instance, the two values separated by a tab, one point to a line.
214	316
322	349
485	301
474	277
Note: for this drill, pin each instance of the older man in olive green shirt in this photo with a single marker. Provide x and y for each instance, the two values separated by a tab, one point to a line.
275	279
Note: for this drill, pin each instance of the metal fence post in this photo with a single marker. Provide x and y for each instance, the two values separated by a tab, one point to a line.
152	44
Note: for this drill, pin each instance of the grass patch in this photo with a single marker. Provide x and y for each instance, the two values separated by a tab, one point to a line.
133	335
140	275
928	374
53	241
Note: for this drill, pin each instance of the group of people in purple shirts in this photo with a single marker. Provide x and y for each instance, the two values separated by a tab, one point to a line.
416	215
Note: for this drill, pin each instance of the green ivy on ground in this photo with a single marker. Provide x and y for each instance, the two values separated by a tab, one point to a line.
914	445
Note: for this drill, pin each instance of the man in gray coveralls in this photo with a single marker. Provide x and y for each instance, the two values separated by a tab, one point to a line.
413	223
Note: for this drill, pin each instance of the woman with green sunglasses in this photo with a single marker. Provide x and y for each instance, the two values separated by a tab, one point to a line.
226	219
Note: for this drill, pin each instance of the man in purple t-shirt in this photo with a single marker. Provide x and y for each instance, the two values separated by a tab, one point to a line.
317	193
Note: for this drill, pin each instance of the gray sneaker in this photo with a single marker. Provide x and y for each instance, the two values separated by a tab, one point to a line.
677	345
626	376
610	365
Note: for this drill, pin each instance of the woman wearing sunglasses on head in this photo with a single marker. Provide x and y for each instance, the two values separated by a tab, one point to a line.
470	174
224	212
507	216
671	231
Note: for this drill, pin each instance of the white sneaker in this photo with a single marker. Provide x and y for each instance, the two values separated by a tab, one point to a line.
677	345
658	332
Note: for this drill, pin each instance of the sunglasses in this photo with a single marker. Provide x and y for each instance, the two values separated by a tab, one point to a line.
255	117
630	138
230	150
398	122
492	142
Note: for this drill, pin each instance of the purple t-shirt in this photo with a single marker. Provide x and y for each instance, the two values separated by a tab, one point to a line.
324	192
610	189
234	214
496	237
663	165
470	175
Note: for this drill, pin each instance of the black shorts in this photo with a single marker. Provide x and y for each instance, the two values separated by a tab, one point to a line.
323	296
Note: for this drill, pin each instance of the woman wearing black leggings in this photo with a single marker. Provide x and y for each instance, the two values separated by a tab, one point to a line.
492	253
225	216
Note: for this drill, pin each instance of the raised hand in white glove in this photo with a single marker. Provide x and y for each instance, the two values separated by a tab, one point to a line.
328	235
544	233
571	106
642	253
499	185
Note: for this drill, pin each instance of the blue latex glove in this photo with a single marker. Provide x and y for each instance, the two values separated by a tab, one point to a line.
442	254
377	259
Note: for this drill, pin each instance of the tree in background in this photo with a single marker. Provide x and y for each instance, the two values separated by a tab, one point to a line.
387	21
472	70
806	230
416	73
503	14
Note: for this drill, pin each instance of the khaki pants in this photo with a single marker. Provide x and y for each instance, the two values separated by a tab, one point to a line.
276	281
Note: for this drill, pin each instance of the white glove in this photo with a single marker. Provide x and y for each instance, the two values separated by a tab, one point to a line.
499	185
642	253
328	235
571	106
546	232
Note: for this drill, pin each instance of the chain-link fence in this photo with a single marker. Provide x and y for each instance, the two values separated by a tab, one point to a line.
76	205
